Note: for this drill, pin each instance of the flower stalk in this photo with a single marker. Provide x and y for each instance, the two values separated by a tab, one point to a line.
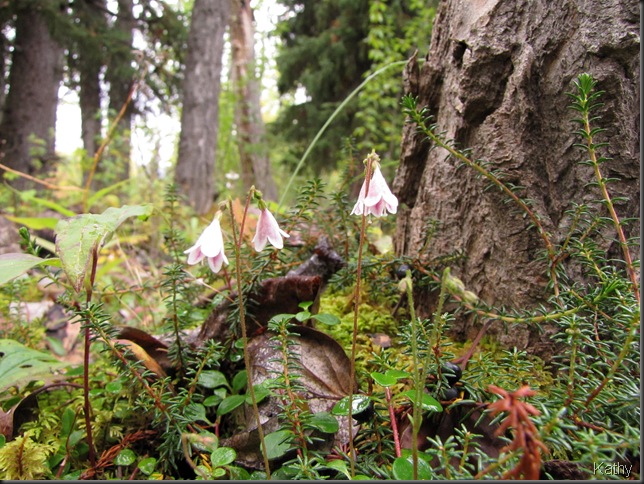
242	320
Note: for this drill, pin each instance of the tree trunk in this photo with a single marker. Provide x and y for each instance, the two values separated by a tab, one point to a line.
120	76
90	61
255	165
29	116
495	81
199	116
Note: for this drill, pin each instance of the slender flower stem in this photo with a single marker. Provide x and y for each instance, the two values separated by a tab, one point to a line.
418	384
242	320
356	312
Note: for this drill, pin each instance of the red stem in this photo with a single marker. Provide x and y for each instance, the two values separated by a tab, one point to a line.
394	425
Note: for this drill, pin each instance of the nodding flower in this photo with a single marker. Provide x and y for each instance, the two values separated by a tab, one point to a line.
210	245
268	231
379	200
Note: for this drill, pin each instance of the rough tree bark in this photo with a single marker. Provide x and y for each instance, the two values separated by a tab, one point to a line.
199	116
495	80
30	106
255	165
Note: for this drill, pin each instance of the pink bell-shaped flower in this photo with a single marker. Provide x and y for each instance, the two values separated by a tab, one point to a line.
268	231
379	200
210	245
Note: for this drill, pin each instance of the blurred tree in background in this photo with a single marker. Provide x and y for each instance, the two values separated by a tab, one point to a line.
327	49
126	60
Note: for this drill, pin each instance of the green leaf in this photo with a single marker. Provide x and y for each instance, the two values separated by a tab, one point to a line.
78	237
397	374
403	469
195	412
238	474
303	316
20	365
340	466
15	264
34	223
240	380
204	441
28	196
278	443
212	400
212	379
114	387
324	422
218	472
328	319
147	465
261	392
384	380
125	458
222	456
359	404
428	403
230	403
67	422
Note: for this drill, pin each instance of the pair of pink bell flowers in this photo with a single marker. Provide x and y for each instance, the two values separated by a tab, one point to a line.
210	244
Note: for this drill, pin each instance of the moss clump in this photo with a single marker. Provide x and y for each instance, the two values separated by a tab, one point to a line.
372	318
23	459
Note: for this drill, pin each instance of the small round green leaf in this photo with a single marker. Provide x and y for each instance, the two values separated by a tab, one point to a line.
403	469
147	465
212	379
278	443
359	404
384	380
398	374
222	456
114	387
125	458
324	422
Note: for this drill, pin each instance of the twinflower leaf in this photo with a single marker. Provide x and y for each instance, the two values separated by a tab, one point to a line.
78	237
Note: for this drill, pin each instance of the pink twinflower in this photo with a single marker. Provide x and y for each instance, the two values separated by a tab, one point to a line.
268	231
379	200
210	245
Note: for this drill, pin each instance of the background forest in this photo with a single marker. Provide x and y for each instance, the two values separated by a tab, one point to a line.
333	239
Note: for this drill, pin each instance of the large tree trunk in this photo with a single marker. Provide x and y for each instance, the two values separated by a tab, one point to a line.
255	165
29	115
495	80
200	113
